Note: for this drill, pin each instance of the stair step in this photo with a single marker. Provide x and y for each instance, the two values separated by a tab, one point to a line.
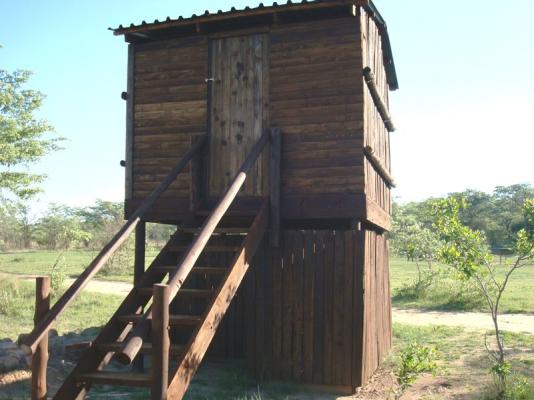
185	292
208	249
146	348
115	378
174	320
232	230
196	270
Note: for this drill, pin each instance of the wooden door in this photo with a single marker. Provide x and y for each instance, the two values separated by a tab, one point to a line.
238	111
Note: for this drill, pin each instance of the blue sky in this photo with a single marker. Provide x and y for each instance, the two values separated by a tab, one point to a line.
462	111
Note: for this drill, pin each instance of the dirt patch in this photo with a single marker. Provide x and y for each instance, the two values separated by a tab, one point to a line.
471	320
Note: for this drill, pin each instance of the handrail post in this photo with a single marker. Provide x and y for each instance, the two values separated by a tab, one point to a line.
40	357
160	342
274	188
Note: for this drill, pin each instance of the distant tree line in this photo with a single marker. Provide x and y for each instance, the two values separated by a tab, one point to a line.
499	215
62	227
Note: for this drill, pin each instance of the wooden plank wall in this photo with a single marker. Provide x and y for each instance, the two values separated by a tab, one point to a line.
170	107
377	304
316	100
376	134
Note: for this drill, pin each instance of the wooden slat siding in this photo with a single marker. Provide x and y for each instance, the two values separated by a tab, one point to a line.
339	299
315	99
328	308
250	308
276	256
269	317
376	134
318	306
170	108
377	311
287	306
298	305
308	309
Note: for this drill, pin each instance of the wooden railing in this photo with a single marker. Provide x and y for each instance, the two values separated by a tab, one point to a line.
135	341
30	342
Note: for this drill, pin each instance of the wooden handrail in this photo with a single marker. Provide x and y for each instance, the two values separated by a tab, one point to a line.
377	99
135	340
29	343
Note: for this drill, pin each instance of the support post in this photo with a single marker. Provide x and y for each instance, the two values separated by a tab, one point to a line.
197	178
139	270
40	357
160	342
275	187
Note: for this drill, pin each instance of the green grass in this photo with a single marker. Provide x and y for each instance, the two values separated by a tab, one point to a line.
17	308
450	295
40	262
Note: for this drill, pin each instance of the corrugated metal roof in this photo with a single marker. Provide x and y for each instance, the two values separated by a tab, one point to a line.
145	28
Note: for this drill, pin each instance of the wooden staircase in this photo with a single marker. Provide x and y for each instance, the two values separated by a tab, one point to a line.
203	264
215	285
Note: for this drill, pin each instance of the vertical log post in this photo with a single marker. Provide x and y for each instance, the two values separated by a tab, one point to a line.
275	187
197	178
139	270
160	342
40	356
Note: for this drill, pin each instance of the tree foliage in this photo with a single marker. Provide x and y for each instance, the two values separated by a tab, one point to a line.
23	138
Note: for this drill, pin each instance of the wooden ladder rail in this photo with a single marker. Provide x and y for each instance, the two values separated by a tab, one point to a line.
30	342
134	342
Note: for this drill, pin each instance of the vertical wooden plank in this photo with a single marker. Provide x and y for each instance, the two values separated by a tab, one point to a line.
130	124
298	296
260	311
197	177
250	278
318	307
348	339
308	309
277	308
358	309
160	342
40	356
287	304
268	285
329	312
338	307
275	187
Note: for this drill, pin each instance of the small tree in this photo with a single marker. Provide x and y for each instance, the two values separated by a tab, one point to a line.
466	251
22	135
411	239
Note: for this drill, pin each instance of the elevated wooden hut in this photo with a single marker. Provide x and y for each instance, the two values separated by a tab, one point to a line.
263	134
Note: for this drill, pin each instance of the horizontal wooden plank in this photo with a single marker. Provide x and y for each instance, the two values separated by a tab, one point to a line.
313	102
193	42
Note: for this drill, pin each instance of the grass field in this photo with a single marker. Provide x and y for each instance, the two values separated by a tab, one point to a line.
451	295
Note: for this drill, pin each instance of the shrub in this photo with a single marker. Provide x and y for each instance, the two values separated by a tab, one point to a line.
414	360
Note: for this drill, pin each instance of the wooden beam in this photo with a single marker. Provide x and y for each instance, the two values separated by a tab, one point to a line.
130	97
376	215
274	187
377	99
379	166
160	342
40	357
200	340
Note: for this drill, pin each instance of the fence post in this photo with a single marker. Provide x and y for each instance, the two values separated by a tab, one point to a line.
40	356
160	342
